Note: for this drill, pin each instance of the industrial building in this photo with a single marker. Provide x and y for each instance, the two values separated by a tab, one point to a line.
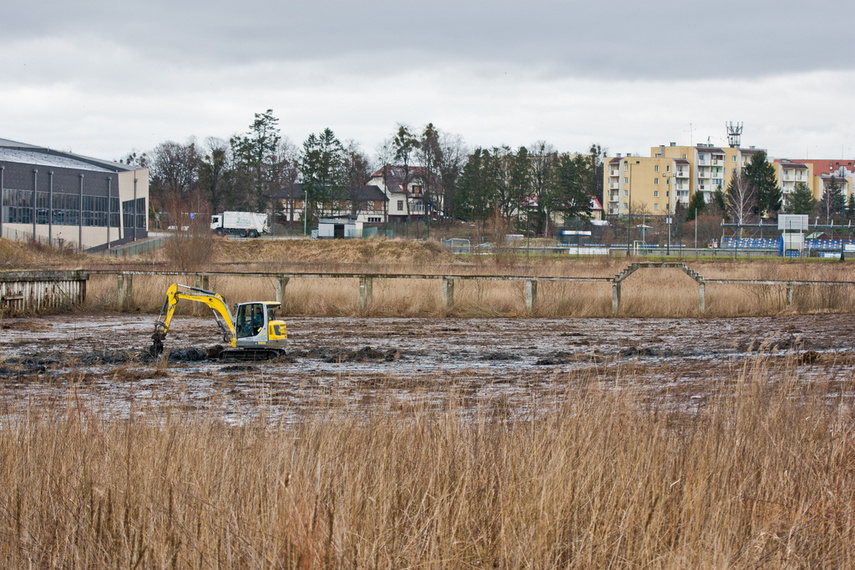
69	200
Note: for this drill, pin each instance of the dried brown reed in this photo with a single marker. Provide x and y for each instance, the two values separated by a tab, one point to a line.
20	255
761	475
660	293
648	293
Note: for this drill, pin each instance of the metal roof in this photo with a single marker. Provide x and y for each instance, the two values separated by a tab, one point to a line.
22	153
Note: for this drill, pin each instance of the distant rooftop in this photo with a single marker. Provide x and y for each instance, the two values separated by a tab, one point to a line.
22	153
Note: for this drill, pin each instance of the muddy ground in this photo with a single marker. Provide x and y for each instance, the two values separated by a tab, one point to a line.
100	361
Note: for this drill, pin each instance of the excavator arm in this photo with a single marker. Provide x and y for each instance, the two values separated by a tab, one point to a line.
216	303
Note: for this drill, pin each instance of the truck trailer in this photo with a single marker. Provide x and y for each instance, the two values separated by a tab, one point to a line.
244	224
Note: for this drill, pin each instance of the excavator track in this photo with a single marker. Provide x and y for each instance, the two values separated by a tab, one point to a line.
251	354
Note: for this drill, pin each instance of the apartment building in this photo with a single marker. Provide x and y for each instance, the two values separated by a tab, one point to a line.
670	175
645	184
817	174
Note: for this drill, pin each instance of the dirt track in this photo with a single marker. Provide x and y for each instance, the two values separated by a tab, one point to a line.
360	362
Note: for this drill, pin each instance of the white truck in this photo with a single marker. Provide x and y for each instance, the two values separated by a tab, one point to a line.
245	224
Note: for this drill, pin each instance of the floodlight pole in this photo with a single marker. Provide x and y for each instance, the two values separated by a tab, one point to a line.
629	217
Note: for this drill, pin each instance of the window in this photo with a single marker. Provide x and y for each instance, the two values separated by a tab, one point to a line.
684	157
733	158
656	181
626	180
668	168
128	213
417	190
656	168
656	193
655	206
400	205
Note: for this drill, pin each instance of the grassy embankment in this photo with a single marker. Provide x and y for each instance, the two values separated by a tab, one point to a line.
763	474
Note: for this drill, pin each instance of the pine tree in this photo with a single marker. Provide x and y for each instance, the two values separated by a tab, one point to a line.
801	200
323	170
762	177
697	206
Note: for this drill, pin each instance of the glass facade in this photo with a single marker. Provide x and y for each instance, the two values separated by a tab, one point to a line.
64	211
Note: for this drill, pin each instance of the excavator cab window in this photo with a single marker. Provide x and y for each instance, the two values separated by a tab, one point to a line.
250	320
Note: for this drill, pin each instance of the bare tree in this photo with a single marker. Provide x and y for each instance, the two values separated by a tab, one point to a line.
741	198
214	172
452	158
405	144
358	169
174	172
542	155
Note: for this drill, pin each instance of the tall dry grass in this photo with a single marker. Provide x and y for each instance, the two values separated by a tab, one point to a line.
763	474
646	293
651	293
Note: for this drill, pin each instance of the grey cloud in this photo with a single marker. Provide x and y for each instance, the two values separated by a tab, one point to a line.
623	39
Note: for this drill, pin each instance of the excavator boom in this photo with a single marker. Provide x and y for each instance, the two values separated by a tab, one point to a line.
217	304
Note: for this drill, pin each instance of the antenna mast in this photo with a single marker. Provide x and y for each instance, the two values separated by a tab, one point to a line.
734	134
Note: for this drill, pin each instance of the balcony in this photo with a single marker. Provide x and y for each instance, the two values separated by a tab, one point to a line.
682	174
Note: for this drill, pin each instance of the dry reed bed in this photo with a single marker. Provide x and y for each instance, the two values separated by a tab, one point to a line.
763	474
649	293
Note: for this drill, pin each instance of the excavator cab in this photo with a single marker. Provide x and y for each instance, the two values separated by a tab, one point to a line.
255	326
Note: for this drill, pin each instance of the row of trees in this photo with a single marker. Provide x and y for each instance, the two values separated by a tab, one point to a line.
253	171
527	187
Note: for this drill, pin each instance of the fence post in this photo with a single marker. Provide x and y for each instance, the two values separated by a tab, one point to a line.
447	293
615	297
281	283
366	292
789	295
120	282
530	295
702	305
129	290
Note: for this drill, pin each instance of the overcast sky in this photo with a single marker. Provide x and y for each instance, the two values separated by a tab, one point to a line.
103	78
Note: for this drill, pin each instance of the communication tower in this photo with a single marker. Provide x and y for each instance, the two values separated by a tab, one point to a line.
734	134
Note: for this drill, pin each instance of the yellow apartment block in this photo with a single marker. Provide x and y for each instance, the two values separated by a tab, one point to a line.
671	174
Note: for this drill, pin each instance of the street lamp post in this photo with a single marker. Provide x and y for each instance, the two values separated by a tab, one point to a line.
629	218
669	190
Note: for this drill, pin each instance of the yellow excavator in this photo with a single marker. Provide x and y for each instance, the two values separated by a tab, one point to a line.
252	333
